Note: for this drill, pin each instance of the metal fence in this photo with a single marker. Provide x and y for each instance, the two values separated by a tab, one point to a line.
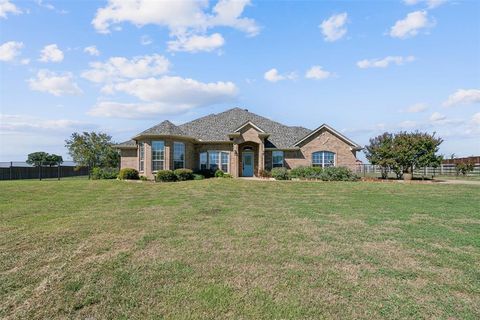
369	170
16	170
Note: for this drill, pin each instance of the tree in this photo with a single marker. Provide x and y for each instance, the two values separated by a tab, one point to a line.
416	149
380	152
43	158
404	151
92	149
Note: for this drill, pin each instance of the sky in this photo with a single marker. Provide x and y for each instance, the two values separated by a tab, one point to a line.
120	67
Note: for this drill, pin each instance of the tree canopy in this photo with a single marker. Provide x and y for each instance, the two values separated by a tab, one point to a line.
404	151
44	158
92	149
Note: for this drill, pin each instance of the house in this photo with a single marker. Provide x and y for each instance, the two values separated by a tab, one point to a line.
236	141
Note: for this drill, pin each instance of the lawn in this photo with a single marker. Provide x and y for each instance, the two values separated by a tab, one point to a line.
226	248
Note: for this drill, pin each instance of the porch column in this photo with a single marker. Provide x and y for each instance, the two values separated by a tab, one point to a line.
261	155
167	155
235	161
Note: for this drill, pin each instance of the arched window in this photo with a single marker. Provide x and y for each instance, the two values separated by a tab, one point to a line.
323	159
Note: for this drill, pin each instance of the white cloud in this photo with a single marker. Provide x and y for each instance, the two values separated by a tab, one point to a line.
385	62
416	108
272	75
10	50
118	68
463	96
197	43
53	83
51	53
317	73
436	117
19	122
7	7
92	50
177	90
430	3
183	18
411	25
476	119
164	95
334	27
145	40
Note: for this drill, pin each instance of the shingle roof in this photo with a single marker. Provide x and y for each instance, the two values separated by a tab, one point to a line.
126	144
217	127
164	128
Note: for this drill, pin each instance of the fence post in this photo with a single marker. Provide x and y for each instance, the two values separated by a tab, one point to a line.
40	172
58	171
11	168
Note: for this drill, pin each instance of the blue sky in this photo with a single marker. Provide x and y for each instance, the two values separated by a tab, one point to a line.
363	67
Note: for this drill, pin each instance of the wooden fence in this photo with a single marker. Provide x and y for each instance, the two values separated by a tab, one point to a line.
19	170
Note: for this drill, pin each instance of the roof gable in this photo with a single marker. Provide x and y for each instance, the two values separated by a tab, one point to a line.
331	130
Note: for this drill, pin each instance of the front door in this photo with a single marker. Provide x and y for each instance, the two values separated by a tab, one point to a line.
247	161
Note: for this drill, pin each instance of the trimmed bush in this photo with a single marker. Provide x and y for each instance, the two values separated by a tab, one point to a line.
197	176
227	175
280	174
338	174
184	174
166	176
128	174
143	178
104	173
206	173
264	173
306	173
219	173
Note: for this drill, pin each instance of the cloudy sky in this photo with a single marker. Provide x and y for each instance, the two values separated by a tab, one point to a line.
363	67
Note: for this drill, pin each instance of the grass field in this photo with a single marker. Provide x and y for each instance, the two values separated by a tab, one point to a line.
226	248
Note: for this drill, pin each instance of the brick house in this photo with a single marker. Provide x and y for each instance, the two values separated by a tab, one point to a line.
238	142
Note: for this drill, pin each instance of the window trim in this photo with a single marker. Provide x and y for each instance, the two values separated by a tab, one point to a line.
151	154
219	162
322	163
274	165
184	152
141	156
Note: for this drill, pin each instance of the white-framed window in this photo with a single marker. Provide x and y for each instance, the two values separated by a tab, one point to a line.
214	160
141	156
158	155
224	161
323	159
178	155
277	159
203	161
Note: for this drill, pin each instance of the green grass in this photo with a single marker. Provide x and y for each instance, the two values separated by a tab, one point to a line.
227	248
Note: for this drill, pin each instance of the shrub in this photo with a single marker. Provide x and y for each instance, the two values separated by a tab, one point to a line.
265	173
128	174
227	175
338	174
184	174
219	173
197	176
166	176
206	173
143	178
306	173
280	174
464	168
104	173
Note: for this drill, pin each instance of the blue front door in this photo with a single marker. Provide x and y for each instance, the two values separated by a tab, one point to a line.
247	162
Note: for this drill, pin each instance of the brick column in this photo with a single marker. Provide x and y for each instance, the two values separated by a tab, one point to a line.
235	161
261	155
168	147
148	159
